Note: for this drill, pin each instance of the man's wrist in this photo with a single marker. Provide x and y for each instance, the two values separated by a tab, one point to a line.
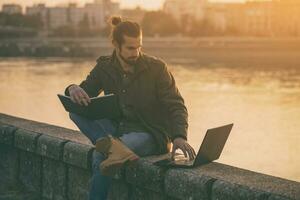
72	85
67	92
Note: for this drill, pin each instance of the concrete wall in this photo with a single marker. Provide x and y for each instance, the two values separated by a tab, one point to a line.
40	161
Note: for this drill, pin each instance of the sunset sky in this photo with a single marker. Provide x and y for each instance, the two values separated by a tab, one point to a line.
148	4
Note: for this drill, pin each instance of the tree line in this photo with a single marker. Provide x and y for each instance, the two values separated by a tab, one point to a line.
154	23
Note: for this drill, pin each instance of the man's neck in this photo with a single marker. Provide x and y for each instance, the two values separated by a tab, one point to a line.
126	67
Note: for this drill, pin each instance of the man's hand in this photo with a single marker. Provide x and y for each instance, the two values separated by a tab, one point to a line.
78	95
180	143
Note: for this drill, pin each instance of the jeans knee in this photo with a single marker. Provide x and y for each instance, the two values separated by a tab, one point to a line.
143	144
74	117
77	119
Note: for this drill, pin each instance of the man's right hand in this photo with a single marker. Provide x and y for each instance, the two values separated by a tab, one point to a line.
78	95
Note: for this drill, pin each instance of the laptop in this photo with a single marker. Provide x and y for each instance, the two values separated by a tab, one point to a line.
106	106
210	149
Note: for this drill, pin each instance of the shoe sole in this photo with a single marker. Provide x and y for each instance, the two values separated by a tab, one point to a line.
112	169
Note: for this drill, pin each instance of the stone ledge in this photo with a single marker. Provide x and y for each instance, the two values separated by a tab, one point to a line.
30	168
51	147
278	197
211	181
26	140
185	184
79	155
47	129
223	190
17	195
7	134
54	179
145	174
255	181
78	183
8	167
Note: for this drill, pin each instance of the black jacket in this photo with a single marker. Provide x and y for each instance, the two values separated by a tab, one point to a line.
152	94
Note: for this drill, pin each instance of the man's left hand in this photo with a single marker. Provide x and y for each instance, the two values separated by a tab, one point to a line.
183	145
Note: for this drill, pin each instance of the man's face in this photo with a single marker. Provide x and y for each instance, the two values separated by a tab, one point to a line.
129	51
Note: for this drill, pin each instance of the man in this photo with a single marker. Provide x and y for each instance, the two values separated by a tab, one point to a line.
154	114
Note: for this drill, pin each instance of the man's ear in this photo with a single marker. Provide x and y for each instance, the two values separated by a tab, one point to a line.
116	45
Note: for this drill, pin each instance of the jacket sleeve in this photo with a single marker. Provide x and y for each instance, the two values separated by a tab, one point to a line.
92	84
171	98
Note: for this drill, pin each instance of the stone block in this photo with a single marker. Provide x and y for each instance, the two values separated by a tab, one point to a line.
26	140
144	174
50	147
17	195
184	184
138	193
251	180
79	155
119	190
78	183
7	134
54	181
278	197
9	165
222	190
30	171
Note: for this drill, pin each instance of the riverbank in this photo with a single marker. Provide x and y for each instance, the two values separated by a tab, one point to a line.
209	51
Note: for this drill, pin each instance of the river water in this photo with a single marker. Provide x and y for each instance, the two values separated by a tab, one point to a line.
263	102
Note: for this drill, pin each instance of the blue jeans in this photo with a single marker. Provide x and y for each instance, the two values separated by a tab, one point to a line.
141	143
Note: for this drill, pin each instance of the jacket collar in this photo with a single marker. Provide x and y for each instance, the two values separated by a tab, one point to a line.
141	64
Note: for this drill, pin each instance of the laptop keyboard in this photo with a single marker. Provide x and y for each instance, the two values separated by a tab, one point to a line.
186	162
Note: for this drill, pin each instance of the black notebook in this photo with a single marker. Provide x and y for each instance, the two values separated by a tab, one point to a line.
100	107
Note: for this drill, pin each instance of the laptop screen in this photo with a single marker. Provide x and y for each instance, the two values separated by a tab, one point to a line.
213	144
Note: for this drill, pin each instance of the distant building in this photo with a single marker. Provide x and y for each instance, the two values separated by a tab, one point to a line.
216	15
94	14
113	8
258	18
11	9
109	8
286	18
41	11
228	17
136	14
182	8
58	17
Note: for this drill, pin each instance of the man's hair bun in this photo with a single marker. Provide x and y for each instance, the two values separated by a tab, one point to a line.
116	20
119	28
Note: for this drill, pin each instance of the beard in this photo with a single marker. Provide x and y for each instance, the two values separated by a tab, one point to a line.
130	60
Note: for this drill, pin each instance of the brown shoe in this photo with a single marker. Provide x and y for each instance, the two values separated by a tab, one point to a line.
118	154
